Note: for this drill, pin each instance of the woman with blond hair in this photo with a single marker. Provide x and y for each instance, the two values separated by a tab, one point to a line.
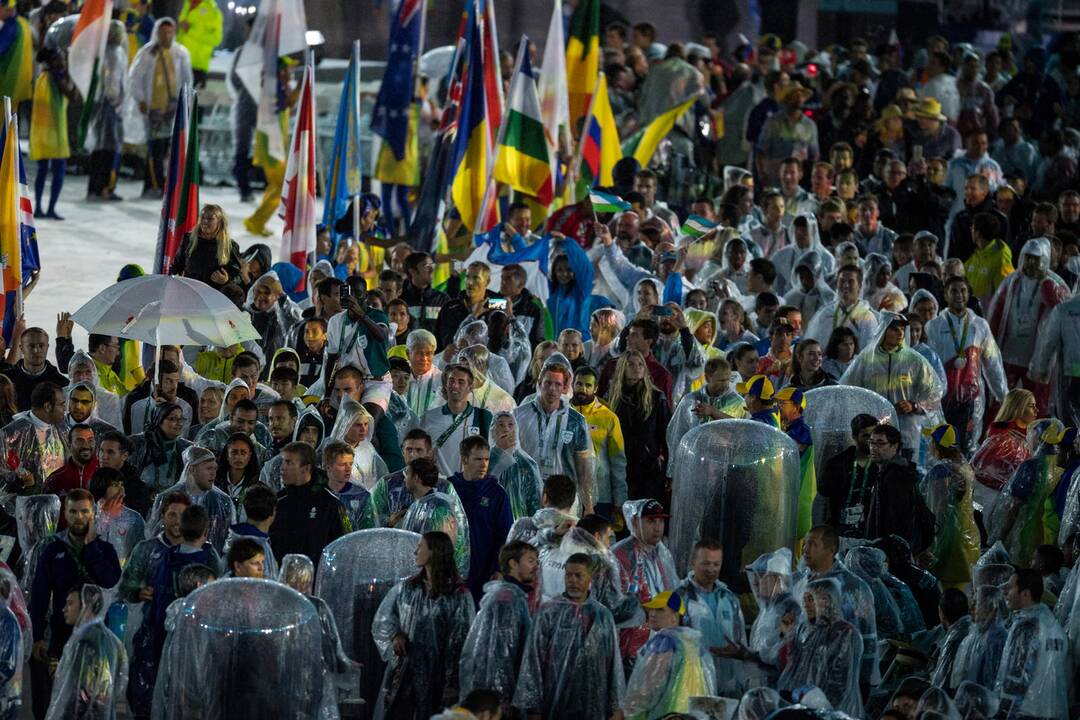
1004	448
540	354
644	415
209	254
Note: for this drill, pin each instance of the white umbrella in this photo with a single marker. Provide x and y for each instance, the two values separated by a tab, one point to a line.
166	310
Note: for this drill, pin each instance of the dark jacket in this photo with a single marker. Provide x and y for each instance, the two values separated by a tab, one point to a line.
60	568
137	495
309	518
424	305
452	315
529	309
25	382
645	440
960	243
835	485
201	263
487	506
895	507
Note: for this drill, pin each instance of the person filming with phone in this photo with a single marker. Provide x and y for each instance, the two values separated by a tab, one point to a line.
472	303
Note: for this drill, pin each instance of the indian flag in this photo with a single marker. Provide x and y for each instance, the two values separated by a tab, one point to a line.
87	50
523	161
605	203
696	226
582	59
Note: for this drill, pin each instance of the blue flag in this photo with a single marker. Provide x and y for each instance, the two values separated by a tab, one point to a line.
343	173
537	252
390	118
30	262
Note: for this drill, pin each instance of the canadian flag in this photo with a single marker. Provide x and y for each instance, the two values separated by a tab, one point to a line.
298	194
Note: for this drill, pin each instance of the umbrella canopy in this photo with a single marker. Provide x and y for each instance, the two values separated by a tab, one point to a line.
166	310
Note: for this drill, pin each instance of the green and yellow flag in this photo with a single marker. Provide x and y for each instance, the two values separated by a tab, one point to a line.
523	161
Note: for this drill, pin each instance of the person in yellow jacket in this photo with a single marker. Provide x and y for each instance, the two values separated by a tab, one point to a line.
49	145
200	33
609	475
273	167
991	262
16	54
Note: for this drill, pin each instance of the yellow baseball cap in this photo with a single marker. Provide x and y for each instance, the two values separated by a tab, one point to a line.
666	599
757	386
943	435
793	395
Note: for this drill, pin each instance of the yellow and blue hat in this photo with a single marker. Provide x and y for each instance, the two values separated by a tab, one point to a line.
757	386
1054	433
666	599
944	435
792	395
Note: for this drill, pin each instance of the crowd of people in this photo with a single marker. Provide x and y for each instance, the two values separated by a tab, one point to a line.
907	226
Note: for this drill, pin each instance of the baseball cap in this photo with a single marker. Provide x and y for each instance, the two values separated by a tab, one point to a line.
398	363
757	386
667	599
791	394
926	235
653	509
944	434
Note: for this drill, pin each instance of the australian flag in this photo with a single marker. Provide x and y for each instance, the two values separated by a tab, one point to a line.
390	118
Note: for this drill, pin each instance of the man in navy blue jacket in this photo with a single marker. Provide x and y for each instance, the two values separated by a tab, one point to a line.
72	557
487	506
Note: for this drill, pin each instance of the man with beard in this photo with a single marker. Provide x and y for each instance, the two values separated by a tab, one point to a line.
282	421
454	421
74	556
82	409
609	473
79	468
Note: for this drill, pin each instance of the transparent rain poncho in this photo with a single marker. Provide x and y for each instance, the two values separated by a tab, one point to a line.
491	655
219	506
827	653
780	613
123	530
899	375
571	666
949	485
979	654
869	564
715	612
787	258
92	675
475	332
298	572
817	263
367	465
1033	678
443	513
108	406
36	518
355	573
936	700
738	482
518	474
13	637
673	666
758	703
650	569
975	702
684	419
242	649
943	674
30	449
606	587
1067	612
1017	518
436	628
887	297
489	395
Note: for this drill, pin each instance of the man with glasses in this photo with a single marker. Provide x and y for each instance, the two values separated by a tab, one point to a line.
894	505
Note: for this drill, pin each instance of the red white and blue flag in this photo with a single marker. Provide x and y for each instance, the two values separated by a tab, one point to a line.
298	193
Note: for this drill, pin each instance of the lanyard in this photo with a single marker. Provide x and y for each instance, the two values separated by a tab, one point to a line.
961	342
862	483
846	317
420	393
550	436
453	426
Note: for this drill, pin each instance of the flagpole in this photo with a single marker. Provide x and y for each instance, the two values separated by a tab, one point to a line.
490	192
356	110
575	162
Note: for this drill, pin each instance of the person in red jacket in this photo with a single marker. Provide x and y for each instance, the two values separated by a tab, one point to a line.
79	468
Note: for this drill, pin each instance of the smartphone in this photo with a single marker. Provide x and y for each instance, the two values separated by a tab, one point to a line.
344	293
917	152
662	311
497	304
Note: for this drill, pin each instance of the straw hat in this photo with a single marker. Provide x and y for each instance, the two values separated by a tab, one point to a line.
929	108
793	88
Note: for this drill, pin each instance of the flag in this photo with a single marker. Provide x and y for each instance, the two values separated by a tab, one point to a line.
343	173
474	143
606	203
16	60
599	145
389	118
672	88
523	159
185	215
86	57
280	30
18	237
582	59
642	144
169	230
696	226
554	102
298	193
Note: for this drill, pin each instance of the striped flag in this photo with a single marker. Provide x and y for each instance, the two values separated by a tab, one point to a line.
696	226
554	102
607	203
169	229
18	237
523	160
599	144
582	59
298	193
86	56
